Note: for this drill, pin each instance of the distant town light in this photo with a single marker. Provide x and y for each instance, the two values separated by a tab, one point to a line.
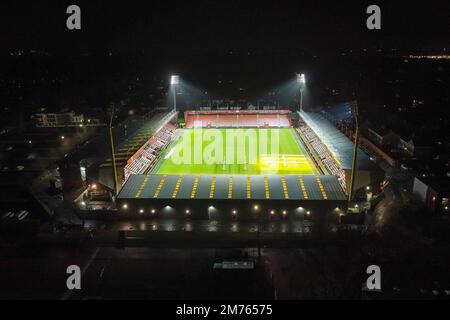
308	213
141	211
255	207
272	212
284	212
62	137
125	206
187	211
152	211
234	212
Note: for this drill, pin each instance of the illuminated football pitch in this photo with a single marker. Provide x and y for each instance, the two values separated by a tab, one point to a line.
236	151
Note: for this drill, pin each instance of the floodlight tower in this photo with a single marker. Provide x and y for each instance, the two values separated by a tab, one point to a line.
112	113
302	83
355	151
174	81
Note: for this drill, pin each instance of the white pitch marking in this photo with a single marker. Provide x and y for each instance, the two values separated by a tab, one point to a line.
169	153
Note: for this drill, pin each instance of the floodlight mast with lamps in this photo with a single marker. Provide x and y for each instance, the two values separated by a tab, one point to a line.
355	151
302	82
174	81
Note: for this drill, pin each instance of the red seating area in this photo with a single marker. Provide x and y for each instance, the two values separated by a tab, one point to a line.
237	119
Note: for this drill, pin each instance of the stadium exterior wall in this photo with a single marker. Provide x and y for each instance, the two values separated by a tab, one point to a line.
222	210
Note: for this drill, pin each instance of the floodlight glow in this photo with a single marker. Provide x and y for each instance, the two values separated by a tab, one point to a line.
301	78
174	79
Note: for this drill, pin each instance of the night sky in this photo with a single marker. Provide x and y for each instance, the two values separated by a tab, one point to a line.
162	27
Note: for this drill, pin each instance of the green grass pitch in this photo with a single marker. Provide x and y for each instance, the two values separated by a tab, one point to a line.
236	151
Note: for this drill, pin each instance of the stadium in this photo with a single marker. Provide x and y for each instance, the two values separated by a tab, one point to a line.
242	164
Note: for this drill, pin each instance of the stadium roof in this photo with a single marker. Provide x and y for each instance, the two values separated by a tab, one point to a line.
129	145
342	111
340	146
233	187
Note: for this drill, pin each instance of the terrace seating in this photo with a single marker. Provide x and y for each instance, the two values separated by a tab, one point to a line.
148	154
323	153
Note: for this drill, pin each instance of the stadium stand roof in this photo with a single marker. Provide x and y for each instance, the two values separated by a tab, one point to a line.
342	111
340	146
232	187
137	139
129	136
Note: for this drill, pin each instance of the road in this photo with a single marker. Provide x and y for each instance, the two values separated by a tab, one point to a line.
283	226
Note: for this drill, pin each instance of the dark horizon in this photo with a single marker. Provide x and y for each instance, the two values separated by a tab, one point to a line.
181	28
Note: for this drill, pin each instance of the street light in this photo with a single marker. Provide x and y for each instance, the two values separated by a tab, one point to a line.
174	81
301	80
